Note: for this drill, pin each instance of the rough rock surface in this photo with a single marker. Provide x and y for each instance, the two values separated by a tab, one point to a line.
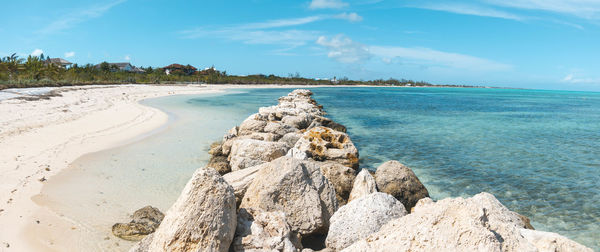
249	152
394	178
320	121
240	180
552	242
259	230
297	188
145	221
342	178
202	219
479	223
250	125
219	163
361	218
364	184
325	144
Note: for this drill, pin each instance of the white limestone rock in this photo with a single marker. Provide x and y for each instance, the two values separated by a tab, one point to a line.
361	218
298	189
364	184
250	152
264	231
203	217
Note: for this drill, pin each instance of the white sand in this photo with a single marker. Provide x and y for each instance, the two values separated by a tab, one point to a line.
40	138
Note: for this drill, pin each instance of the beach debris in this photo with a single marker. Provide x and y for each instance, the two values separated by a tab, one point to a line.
396	179
361	218
364	184
145	221
202	219
42	179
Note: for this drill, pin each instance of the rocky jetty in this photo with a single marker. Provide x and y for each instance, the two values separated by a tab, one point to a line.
286	179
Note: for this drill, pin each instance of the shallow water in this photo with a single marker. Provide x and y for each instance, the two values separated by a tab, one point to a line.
536	151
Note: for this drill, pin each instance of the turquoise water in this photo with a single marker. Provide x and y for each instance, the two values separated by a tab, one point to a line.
538	152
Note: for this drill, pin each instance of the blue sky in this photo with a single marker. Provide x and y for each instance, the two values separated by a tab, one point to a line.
546	44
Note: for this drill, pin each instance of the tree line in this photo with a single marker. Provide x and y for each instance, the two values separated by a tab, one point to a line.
37	71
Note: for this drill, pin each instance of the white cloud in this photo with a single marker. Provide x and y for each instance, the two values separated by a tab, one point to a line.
78	16
431	57
343	49
327	4
352	17
36	52
570	78
127	57
468	9
588	9
69	54
269	32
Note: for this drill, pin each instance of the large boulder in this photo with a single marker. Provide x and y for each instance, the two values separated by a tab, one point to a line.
297	188
202	219
279	128
325	144
290	138
300	121
320	121
479	223
240	180
552	242
342	178
264	231
364	184
394	178
251	125
145	221
250	152
361	218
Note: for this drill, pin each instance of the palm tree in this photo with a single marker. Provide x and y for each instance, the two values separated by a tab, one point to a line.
13	64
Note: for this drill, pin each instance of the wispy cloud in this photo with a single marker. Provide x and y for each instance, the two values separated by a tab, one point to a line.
588	9
37	52
571	78
272	32
431	57
78	16
469	9
327	4
127	57
343	49
69	54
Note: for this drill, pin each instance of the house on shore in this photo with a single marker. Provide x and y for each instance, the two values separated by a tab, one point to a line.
121	66
179	69
58	62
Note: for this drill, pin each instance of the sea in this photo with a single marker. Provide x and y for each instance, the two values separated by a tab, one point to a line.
537	151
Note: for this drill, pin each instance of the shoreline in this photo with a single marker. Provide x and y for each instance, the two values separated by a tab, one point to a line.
42	137
45	133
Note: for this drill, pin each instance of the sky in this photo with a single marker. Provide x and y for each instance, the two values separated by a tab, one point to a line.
540	44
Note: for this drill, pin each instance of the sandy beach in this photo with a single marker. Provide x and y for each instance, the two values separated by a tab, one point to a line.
39	137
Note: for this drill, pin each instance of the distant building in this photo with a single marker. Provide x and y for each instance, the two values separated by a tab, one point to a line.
179	69
122	66
58	62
